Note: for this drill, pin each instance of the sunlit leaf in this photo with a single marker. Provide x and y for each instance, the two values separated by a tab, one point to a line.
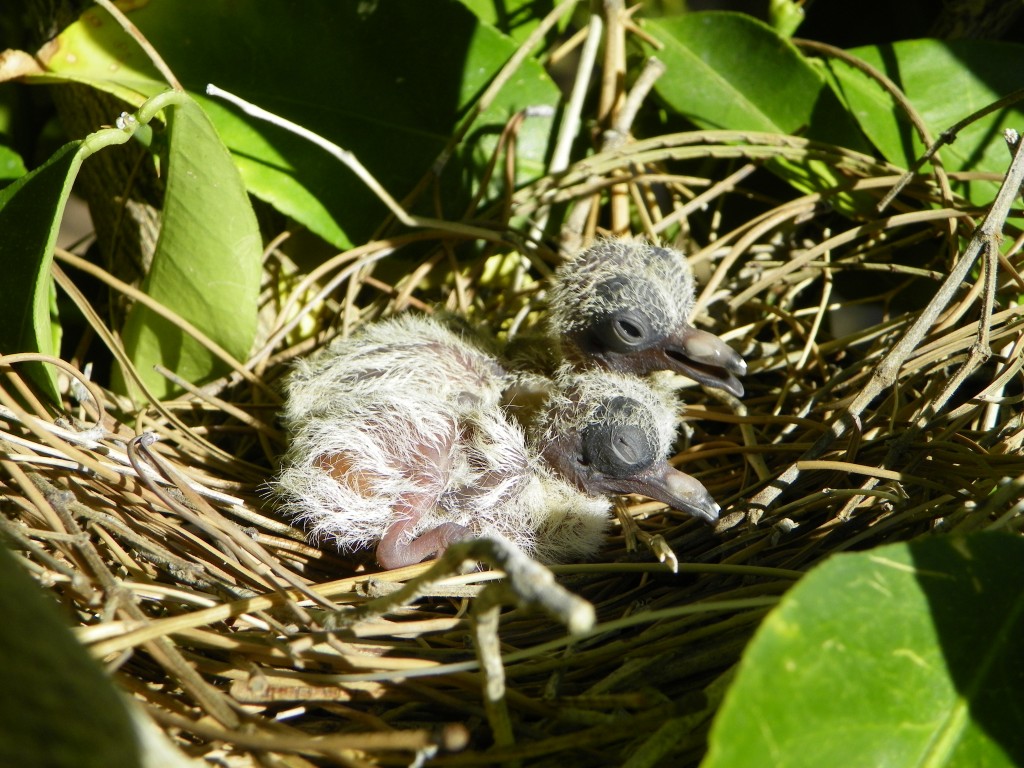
11	165
906	655
728	70
207	262
388	80
945	81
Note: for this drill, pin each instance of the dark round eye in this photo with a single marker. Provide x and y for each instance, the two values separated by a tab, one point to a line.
619	443
623	332
632	309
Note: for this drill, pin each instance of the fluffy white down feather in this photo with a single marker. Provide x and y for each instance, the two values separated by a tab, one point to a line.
415	409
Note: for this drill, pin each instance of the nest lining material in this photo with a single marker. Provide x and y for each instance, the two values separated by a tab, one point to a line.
207	608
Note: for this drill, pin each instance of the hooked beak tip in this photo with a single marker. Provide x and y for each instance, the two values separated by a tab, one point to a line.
687	494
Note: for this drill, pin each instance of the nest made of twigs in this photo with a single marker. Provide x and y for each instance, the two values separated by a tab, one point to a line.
153	529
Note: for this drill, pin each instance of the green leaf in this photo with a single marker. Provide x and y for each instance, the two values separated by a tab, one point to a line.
387	80
59	709
945	81
31	209
770	87
906	655
11	164
515	18
785	16
207	263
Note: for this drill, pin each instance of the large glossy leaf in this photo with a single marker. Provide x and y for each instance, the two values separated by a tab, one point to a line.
388	80
908	655
207	262
770	87
58	709
945	81
728	70
31	209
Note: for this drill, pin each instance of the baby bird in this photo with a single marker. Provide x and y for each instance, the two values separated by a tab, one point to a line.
625	305
400	440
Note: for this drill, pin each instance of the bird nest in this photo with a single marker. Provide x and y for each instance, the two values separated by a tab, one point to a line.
884	359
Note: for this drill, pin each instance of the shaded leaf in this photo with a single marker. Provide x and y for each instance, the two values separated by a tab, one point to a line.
207	263
31	209
905	655
59	709
945	81
388	81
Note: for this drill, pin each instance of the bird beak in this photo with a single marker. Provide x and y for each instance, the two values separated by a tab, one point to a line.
705	358
668	485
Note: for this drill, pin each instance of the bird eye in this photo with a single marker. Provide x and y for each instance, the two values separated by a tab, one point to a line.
628	330
617	444
623	332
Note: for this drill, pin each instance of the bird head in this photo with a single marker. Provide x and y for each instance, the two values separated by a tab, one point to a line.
610	434
625	306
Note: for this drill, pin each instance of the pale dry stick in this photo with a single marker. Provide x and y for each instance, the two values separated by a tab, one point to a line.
613	76
613	73
569	128
207	616
718	189
1008	502
618	134
162	650
486	612
221	406
734	404
163	311
978	354
886	373
375	251
717	144
847	236
337	747
117	459
819	316
753	232
948	136
229	549
117	350
572	118
78	379
233	536
993	394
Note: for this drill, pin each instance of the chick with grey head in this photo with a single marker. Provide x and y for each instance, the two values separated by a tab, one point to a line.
625	305
400	440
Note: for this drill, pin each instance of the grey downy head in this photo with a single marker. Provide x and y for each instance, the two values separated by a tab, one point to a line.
625	306
610	434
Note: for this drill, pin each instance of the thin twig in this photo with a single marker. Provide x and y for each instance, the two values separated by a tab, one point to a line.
885	375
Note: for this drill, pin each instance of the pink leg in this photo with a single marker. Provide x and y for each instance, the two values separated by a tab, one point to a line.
397	549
